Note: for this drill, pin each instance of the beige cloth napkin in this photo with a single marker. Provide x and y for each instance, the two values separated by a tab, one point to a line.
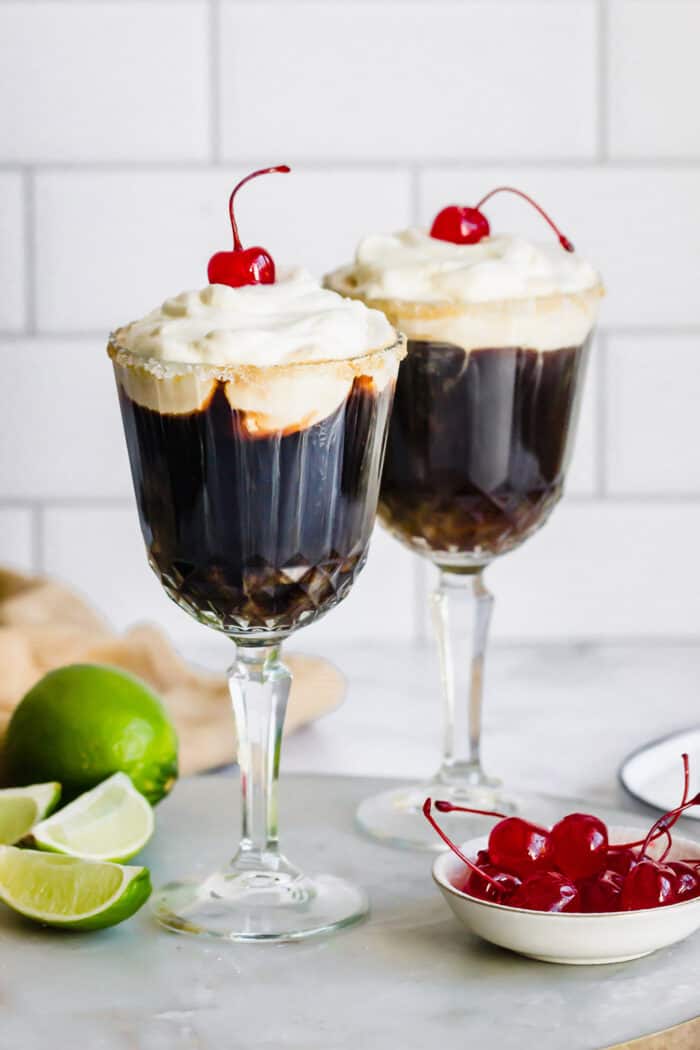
44	624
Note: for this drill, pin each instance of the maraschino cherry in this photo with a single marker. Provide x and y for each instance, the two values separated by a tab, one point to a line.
515	845
243	265
497	890
477	886
580	845
464	225
601	892
687	885
648	885
460	225
520	847
546	891
573	867
620	859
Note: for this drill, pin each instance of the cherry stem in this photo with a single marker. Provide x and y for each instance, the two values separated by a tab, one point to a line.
455	849
686	789
669	846
666	822
448	807
563	240
237	245
666	830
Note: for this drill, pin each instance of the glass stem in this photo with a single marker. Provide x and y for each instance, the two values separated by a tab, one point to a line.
462	608
259	685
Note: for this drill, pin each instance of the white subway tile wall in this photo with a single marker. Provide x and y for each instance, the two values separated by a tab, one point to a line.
137	237
408	80
12	251
654	74
61	421
127	125
18	538
641	224
105	81
653	414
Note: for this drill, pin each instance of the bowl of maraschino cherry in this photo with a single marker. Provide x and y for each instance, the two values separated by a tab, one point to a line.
579	892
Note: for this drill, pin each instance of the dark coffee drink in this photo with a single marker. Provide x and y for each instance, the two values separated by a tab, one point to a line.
478	446
251	531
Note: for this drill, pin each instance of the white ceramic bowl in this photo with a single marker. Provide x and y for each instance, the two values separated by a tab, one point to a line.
572	938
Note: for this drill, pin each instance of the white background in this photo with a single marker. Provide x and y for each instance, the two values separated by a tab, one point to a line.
123	126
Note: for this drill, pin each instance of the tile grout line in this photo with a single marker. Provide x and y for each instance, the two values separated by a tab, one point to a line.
126	502
134	3
601	418
50	335
588	642
246	3
418	568
213	37
650	330
38	545
29	223
45	503
415	194
421	626
643	331
175	165
603	83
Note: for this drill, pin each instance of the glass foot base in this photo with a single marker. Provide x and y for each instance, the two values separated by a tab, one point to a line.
259	905
396	817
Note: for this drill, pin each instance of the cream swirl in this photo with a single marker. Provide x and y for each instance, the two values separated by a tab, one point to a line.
503	291
412	265
293	320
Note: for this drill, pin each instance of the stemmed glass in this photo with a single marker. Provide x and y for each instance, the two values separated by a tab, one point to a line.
479	442
256	528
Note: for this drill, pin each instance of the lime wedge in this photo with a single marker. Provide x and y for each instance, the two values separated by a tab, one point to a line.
111	822
68	892
21	808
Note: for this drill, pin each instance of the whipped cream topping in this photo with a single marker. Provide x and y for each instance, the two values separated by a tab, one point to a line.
291	321
502	292
412	265
239	334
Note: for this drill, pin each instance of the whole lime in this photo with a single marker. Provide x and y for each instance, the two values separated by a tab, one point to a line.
83	722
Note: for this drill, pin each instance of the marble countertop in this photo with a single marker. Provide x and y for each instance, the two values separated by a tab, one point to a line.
408	978
558	720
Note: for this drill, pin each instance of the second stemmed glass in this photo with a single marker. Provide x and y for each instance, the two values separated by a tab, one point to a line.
479	442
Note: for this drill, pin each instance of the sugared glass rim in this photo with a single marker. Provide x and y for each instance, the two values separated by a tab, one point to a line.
340	281
362	364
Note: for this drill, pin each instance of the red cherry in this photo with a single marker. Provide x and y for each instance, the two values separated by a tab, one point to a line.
580	845
252	266
496	887
476	885
464	225
243	266
460	225
517	846
546	891
648	885
601	892
620	859
687	880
